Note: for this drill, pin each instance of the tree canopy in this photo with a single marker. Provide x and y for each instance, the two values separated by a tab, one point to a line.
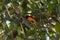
29	19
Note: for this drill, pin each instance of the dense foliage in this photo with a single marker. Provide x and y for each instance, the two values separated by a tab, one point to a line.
29	19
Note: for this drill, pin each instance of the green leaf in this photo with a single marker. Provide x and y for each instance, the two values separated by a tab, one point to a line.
18	38
50	7
57	27
11	26
1	3
31	32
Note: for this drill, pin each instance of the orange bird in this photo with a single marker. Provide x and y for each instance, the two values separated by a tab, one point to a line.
30	18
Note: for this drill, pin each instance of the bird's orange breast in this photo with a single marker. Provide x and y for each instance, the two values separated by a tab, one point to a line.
31	19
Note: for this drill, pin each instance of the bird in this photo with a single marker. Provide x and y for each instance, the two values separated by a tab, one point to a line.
30	18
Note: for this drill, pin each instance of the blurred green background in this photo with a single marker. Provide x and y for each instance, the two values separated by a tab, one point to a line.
14	23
